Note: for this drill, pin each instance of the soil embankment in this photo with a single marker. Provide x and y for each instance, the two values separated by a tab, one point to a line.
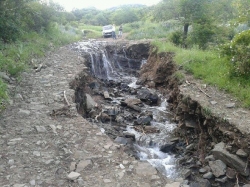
212	123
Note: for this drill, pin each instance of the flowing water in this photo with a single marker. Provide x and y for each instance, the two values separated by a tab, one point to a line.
118	68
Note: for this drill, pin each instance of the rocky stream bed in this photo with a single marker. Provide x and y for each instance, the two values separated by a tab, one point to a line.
138	101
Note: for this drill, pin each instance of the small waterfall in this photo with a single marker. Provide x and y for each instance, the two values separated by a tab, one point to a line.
92	63
107	66
144	61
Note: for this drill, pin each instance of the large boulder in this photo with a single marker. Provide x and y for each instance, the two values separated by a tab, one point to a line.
231	160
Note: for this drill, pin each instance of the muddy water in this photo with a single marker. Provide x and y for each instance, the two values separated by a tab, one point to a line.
118	72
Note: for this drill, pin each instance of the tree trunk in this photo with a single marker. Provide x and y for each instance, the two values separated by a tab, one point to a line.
185	32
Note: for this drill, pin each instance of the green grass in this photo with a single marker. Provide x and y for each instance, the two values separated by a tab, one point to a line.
15	57
149	30
91	31
208	66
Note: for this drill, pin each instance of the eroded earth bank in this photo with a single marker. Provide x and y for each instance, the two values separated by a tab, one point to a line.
99	113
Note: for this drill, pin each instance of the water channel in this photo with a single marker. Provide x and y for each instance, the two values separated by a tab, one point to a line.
118	73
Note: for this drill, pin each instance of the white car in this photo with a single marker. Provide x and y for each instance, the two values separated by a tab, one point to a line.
107	31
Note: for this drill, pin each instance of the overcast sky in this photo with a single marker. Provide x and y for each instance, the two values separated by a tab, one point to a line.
101	4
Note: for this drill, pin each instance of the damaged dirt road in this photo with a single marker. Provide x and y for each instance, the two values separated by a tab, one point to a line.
44	141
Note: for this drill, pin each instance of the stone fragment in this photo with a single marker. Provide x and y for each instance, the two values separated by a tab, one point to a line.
210	158
36	153
73	175
231	160
11	162
144	168
40	129
90	102
222	180
107	181
208	175
14	141
186	173
72	166
230	105
53	127
213	102
155	177
4	76
32	182
218	167
19	185
106	95
174	184
132	101
121	140
122	166
120	175
190	146
24	112
241	153
203	170
80	182
83	164
200	183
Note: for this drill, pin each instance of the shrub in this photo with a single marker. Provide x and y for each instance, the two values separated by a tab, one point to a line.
176	38
238	51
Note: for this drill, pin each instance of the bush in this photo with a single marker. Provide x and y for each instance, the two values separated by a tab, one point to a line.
176	38
238	52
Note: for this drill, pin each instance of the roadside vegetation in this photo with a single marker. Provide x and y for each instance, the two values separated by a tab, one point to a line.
28	30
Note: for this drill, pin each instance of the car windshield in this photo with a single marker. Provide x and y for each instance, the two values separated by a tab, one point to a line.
107	27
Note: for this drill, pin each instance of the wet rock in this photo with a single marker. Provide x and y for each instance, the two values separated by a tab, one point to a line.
221	180
106	95
210	158
231	174
146	169
132	101
203	170
208	175
129	135
190	147
94	85
231	160
143	121
241	153
146	96
200	183
191	123
218	167
90	102
186	173
113	111
121	140
134	107
73	175
168	147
